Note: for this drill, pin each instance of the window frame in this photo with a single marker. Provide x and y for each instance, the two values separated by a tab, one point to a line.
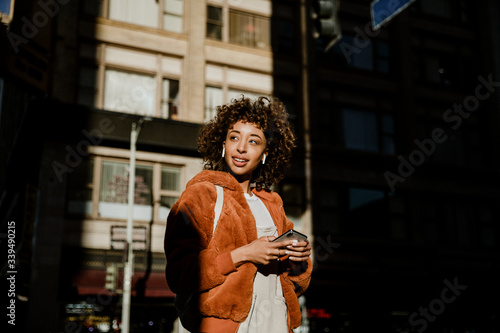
103	9
381	133
100	66
156	191
226	23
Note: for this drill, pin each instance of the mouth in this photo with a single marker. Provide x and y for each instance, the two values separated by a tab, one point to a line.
239	162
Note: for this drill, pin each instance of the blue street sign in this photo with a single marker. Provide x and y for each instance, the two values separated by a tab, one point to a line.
5	7
383	11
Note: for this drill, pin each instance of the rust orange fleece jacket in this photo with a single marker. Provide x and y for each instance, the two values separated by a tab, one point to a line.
198	262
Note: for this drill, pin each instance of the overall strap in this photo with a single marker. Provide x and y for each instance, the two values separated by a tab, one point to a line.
218	205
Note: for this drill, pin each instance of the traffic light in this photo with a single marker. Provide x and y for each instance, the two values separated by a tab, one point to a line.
325	23
111	274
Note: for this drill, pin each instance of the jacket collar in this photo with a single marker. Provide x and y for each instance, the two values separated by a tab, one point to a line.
227	181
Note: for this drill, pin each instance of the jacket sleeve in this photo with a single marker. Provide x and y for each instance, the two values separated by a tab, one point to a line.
298	275
191	266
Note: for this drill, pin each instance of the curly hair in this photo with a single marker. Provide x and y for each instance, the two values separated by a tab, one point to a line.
270	116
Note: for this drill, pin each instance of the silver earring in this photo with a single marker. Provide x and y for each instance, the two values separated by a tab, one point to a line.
223	151
264	159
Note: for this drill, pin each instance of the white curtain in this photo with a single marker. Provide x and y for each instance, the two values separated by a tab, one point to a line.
129	92
144	12
213	98
172	16
114	192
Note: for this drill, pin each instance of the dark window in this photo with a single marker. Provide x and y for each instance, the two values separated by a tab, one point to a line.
214	22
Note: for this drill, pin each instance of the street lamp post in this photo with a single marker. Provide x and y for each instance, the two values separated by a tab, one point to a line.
129	254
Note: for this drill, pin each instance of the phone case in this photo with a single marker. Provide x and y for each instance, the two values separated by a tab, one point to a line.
291	235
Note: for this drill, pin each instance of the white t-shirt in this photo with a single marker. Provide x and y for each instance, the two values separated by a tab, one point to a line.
259	211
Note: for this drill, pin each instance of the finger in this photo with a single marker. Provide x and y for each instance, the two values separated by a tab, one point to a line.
294	257
283	244
298	253
298	259
299	246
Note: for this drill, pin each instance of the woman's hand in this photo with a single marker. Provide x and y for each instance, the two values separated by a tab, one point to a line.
298	251
262	251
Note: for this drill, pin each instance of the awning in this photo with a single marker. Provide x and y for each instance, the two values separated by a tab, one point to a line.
92	282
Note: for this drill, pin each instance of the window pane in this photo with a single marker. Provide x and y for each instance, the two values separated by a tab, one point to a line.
437	7
170	99
173	15
363	197
93	7
87	93
170	178
233	93
249	30
364	204
79	188
172	23
286	36
114	191
174	7
360	130
214	22
144	12
166	203
361	58
292	201
129	92
213	98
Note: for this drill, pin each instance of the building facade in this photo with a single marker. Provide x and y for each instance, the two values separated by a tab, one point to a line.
395	177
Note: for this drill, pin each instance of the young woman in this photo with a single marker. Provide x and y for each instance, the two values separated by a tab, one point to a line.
241	280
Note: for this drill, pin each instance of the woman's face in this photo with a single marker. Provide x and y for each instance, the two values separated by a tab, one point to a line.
245	147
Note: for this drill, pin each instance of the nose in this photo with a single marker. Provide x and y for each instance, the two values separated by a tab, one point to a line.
242	147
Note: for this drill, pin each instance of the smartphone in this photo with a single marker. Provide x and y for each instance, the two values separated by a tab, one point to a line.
291	235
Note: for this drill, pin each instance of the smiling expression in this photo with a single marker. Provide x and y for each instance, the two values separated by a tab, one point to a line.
245	147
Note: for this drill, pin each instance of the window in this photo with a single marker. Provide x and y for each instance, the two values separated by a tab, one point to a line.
213	98
80	185
113	196
249	30
362	205
169	190
133	87
244	28
441	8
87	94
235	93
98	188
225	83
370	55
284	29
293	202
368	131
214	22
145	13
170	99
129	92
173	15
